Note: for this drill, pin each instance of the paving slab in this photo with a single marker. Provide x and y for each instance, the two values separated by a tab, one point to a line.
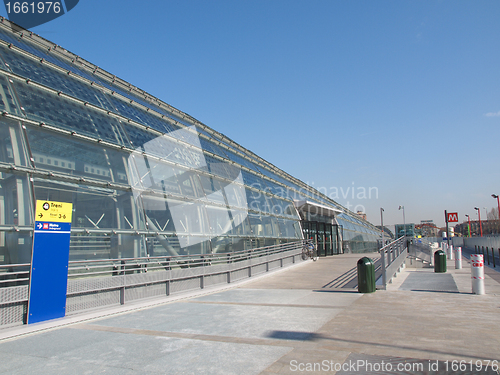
306	319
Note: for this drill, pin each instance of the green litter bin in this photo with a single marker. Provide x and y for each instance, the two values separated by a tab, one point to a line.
440	261
366	275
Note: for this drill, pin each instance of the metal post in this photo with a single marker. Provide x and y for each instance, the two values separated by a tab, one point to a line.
447	229
382	225
384	276
382	253
488	255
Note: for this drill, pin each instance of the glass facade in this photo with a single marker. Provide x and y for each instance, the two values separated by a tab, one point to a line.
144	178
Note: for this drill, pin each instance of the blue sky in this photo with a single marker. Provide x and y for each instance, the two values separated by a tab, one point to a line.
398	100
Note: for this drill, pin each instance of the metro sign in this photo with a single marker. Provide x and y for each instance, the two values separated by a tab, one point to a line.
453	217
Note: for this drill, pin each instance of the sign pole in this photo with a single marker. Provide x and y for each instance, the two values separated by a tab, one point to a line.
447	229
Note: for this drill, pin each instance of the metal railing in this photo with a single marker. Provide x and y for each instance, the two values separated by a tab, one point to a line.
486	251
392	258
100	283
113	282
14	284
422	249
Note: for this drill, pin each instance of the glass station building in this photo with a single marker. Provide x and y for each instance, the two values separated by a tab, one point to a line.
144	178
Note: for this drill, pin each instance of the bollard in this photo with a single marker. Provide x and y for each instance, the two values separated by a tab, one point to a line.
477	273
458	258
366	275
450	252
439	261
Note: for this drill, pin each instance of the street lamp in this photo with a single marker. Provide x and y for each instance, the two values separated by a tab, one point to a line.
468	217
382	224
480	225
498	202
404	220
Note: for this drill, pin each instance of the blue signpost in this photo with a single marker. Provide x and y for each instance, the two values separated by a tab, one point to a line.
49	263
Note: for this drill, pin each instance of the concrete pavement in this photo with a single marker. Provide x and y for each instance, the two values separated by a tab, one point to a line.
305	319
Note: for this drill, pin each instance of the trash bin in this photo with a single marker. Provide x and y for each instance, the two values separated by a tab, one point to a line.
366	275
440	261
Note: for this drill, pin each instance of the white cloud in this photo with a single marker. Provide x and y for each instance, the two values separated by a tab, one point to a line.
493	114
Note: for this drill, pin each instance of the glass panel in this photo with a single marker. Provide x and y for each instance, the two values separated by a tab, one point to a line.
15	248
278	190
217	167
93	208
7	102
190	185
297	230
284	208
235	194
42	53
191	224
12	148
15	202
220	222
68	155
256	224
211	147
241	225
230	244
257	201
213	189
157	175
289	228
158	216
268	226
59	81
54	110
241	160
253	181
168	149
142	117
129	95
15	209
85	246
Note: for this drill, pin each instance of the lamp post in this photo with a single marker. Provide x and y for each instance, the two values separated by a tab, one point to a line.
382	253
382	224
468	217
480	225
498	202
404	220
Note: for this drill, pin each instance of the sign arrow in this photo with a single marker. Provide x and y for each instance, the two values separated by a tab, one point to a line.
40	215
39	225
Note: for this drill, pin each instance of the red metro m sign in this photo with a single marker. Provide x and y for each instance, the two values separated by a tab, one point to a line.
452	217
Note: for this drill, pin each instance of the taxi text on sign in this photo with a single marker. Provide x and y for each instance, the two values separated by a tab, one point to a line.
49	262
452	217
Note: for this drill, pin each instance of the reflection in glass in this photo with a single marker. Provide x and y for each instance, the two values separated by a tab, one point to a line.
15	210
12	148
66	155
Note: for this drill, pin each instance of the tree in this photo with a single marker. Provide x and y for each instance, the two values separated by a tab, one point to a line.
493	214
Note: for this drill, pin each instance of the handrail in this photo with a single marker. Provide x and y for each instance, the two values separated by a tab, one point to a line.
392	256
192	259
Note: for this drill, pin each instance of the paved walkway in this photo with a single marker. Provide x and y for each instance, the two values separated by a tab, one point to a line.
305	319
